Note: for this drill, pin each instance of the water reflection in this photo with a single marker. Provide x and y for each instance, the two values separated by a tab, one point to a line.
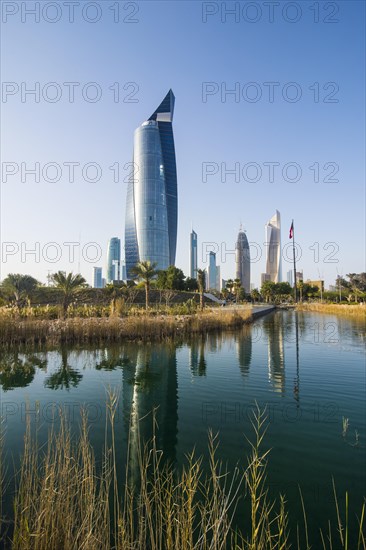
65	377
273	327
244	350
151	383
197	361
17	370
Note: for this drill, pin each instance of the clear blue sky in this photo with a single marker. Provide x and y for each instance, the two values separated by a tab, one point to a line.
170	46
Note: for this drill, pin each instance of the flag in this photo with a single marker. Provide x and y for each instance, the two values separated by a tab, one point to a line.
291	231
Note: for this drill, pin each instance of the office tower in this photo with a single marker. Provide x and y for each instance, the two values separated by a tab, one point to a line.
113	260
242	261
264	277
273	245
299	275
211	278
97	277
193	255
290	277
152	201
218	283
123	272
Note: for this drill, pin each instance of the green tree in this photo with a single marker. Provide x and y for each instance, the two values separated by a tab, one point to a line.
69	285
268	290
255	295
357	284
237	287
19	287
191	284
201	281
283	290
145	271
230	285
172	278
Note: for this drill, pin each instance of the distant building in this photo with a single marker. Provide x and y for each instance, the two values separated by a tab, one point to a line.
97	277
273	244
213	279
290	277
242	261
333	288
123	272
193	265
252	286
319	284
299	276
265	277
113	260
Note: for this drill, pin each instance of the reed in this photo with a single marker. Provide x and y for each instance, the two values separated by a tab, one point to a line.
354	310
144	327
64	500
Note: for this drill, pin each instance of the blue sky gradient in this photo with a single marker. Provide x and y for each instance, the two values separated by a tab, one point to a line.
171	47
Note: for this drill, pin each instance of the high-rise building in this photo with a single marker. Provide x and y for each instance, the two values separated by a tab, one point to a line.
113	260
290	277
97	277
152	200
273	244
211	278
193	255
242	261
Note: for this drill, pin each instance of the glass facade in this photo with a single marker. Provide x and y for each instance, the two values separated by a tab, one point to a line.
152	203
113	260
242	260
193	255
273	243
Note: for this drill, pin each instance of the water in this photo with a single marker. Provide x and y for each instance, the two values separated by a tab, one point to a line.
307	369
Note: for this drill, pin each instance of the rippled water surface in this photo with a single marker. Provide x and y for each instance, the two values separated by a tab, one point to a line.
307	369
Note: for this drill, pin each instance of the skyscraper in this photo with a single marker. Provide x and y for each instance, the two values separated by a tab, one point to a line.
152	200
97	277
273	244
113	260
193	255
213	273
242	261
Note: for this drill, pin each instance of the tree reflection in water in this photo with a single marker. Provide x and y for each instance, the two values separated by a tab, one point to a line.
65	377
17	370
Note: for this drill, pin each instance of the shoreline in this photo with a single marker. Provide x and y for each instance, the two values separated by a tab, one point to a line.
100	330
353	310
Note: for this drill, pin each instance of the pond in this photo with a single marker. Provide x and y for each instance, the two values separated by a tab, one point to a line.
307	369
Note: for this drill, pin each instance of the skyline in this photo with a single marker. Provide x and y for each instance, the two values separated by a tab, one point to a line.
213	132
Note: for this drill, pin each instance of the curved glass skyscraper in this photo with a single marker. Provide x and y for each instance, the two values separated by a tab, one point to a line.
152	201
273	242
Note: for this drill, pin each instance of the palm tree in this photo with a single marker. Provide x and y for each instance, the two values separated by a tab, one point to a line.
237	287
255	295
69	285
201	281
230	285
19	286
145	271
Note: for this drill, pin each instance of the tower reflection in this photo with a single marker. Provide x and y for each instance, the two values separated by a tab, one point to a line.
274	329
244	350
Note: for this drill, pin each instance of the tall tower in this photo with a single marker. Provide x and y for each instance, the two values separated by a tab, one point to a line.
193	255
113	260
273	244
242	260
152	199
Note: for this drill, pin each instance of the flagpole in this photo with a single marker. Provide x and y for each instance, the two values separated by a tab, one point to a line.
294	257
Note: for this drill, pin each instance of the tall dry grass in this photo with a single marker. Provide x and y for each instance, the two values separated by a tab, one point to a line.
112	329
354	310
64	501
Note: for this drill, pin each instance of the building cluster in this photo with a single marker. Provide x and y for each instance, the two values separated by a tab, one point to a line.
152	215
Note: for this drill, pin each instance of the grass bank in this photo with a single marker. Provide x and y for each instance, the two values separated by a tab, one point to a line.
354	310
64	499
114	329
